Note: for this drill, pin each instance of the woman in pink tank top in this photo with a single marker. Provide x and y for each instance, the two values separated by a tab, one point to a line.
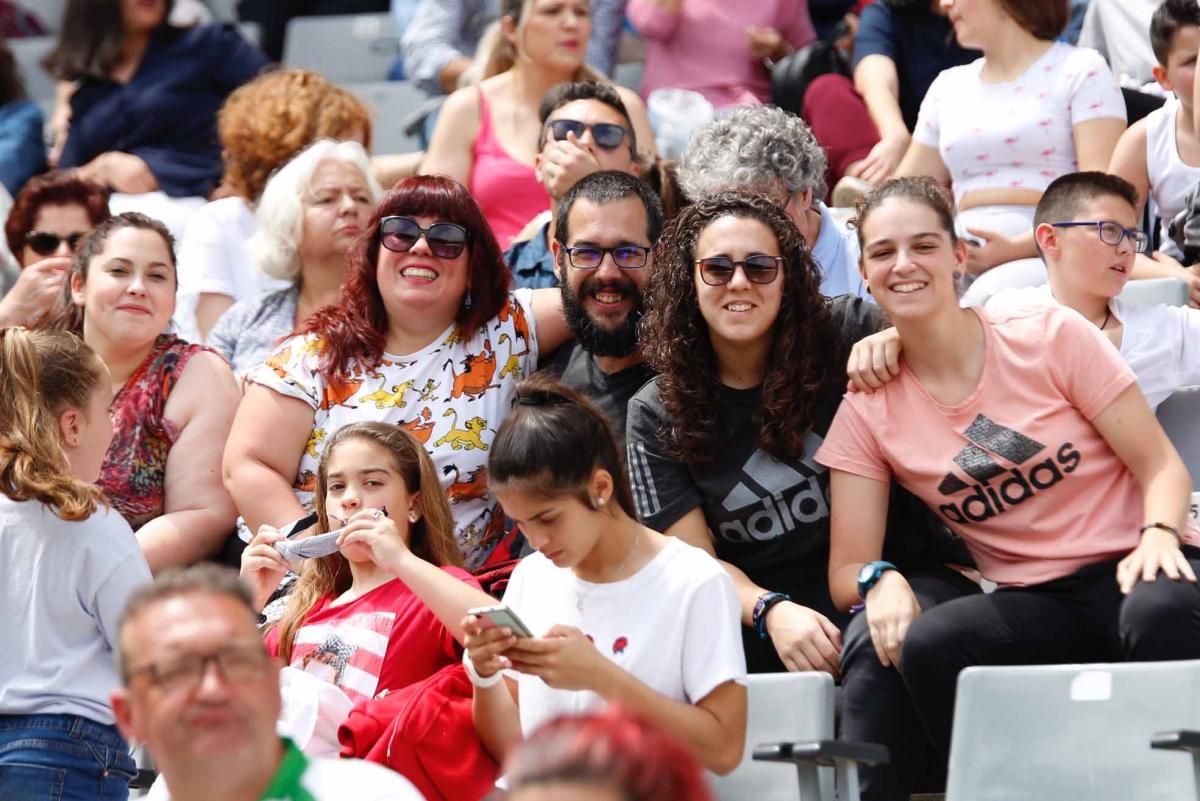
487	135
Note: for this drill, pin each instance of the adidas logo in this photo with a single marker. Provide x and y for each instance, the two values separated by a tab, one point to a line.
777	496
999	488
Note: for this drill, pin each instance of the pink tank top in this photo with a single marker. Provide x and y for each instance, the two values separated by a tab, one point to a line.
507	191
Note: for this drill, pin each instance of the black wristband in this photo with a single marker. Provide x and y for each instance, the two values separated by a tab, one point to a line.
765	603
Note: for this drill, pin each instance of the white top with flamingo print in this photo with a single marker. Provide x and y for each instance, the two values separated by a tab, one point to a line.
451	395
1017	134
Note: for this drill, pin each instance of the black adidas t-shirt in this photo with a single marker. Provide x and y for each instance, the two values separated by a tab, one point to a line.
769	517
577	369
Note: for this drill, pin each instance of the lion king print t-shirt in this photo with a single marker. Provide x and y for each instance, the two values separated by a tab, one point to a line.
451	395
1017	469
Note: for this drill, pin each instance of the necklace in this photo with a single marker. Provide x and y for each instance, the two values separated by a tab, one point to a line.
582	596
1107	317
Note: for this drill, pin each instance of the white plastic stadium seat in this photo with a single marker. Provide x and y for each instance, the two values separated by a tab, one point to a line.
29	52
1155	292
781	707
345	48
1072	732
390	103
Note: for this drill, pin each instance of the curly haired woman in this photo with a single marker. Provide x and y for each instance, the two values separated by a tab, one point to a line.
752	362
262	126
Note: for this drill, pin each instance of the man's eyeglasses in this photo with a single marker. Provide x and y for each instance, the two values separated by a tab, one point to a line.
758	269
1111	233
44	243
589	257
606	135
446	240
237	663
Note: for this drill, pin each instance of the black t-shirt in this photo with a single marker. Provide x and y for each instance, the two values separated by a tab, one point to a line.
770	517
919	41
577	369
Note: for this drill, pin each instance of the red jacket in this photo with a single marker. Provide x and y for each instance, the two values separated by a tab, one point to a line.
425	732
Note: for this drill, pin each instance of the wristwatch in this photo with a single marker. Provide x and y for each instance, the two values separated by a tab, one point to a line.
762	606
869	575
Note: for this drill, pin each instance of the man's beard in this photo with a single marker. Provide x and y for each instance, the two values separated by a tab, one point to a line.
593	337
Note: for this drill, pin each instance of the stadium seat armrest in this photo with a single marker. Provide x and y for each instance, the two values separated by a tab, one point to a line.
822	752
1179	740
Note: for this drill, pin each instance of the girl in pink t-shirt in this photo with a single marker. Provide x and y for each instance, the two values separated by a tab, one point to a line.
1027	434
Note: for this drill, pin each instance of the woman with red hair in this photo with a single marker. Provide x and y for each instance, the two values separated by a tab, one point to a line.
613	756
426	335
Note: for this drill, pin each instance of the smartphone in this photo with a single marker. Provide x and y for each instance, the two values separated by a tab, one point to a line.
501	615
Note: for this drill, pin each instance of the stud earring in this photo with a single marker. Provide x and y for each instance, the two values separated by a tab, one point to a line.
412	518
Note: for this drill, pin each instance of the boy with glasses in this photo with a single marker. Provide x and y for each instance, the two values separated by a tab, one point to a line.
1085	228
585	128
202	693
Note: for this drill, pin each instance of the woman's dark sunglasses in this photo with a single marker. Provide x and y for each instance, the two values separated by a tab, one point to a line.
719	270
446	240
44	244
605	134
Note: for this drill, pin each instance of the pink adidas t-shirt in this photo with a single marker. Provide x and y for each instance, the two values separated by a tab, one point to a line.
1017	469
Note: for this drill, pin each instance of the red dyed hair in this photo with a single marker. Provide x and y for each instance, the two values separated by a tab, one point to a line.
59	188
355	329
611	749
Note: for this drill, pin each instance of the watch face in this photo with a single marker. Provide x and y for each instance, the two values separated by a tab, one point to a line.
866	573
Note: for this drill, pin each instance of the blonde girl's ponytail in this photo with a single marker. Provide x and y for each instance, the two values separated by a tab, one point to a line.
43	374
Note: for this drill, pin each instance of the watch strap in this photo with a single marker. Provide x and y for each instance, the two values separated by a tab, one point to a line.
764	604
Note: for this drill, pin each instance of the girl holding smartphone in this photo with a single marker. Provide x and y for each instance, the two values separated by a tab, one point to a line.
623	613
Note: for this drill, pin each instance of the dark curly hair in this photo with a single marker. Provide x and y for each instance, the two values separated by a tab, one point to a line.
675	338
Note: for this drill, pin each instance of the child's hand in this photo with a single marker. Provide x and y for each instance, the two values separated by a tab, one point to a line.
486	647
378	535
566	659
262	565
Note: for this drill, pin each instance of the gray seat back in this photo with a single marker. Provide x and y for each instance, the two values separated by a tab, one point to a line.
1072	732
345	48
781	707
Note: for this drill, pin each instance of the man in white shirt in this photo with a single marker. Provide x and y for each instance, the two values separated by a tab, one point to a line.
201	691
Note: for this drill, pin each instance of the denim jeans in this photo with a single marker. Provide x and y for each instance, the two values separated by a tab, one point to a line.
62	758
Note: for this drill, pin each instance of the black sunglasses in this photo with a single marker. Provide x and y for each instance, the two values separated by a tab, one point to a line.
606	135
758	269
446	240
44	243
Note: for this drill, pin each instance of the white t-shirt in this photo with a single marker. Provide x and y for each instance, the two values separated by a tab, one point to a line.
1161	344
675	625
213	258
1171	179
1020	133
65	586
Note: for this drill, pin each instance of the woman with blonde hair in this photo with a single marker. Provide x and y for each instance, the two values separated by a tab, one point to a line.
487	135
262	127
70	565
308	216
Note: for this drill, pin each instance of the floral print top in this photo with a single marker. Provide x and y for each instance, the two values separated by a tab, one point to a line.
135	467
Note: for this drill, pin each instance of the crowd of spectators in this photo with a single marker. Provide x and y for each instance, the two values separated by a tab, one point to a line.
501	464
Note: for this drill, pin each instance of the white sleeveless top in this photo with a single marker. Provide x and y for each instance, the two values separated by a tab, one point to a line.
1170	178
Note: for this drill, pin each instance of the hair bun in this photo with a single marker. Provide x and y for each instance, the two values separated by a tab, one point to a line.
540	397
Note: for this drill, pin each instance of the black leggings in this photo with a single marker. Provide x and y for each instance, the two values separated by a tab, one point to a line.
1078	618
876	707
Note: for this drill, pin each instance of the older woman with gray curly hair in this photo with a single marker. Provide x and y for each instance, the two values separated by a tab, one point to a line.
310	212
766	150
